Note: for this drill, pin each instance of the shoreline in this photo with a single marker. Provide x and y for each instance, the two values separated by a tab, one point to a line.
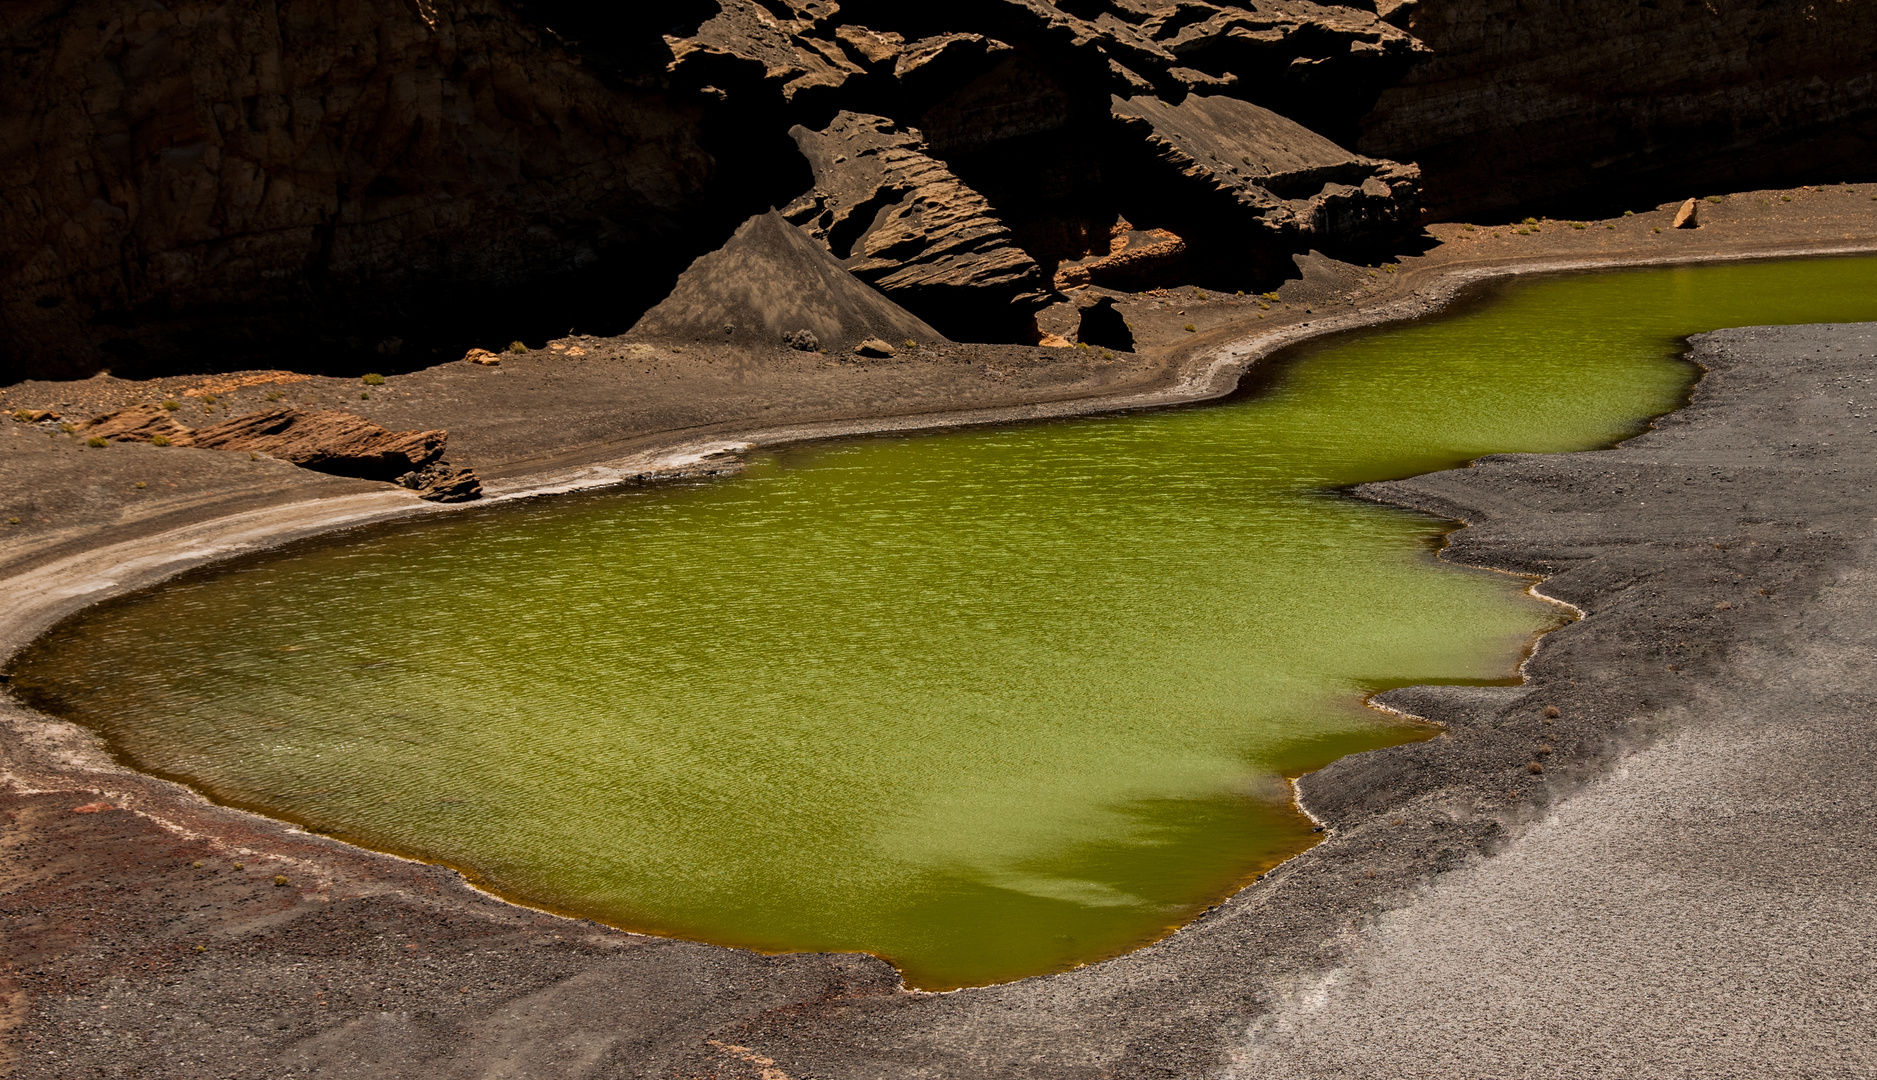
75	576
63	584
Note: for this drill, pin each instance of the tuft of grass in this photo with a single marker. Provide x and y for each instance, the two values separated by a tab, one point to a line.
1785	198
373	379
171	404
140	485
1579	226
1535	768
13	521
1191	329
1271	297
95	443
1629	213
241	866
1389	268
1106	355
364	395
910	343
280	881
197	865
68	427
1529	221
1715	199
1525	232
517	347
158	440
1612	228
275	395
1199	294
1469	228
1658	228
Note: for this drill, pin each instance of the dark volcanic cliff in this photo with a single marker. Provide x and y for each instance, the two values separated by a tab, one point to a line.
1593	101
379	183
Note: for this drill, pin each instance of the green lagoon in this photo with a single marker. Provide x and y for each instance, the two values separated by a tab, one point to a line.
988	703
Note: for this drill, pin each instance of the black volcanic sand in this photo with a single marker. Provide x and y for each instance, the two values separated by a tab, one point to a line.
1696	551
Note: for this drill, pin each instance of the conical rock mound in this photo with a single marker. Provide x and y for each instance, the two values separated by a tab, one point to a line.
770	283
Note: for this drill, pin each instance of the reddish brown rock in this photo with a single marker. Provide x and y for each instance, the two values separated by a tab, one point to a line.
141	423
331	441
1135	257
1688	216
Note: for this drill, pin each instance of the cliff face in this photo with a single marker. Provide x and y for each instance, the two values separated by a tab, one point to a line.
209	176
1534	104
380	183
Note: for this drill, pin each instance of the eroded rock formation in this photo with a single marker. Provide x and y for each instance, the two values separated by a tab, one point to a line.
905	224
376	183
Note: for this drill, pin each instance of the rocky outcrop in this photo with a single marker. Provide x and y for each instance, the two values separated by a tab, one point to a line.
1281	177
901	221
1590	103
330	441
141	423
772	285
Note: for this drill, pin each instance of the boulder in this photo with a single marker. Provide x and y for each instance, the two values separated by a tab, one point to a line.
903	222
1688	217
140	423
1135	257
771	282
440	481
331	441
876	349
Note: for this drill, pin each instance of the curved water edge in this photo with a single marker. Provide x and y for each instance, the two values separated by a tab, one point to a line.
61	586
201	551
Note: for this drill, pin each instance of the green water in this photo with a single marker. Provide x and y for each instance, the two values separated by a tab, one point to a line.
987	703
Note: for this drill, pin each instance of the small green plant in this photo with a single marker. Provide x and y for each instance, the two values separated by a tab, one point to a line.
1469	228
1612	228
1191	329
364	395
275	395
1579	226
1785	198
910	344
1715	199
171	404
1106	355
1241	292
95	443
1271	297
517	347
1658	228
158	440
1199	294
280	881
1529	221
13	521
1389	268
1629	213
140	485
1525	232
68	427
197	865
373	379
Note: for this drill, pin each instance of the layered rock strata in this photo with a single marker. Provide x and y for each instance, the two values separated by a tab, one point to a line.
1279	175
901	221
331	441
